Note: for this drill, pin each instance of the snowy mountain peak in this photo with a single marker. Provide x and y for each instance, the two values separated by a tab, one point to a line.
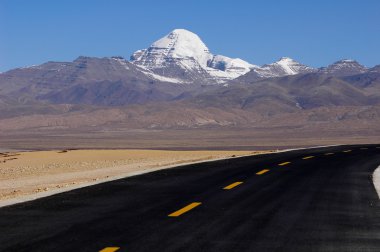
288	65
178	44
285	59
181	38
181	43
183	53
284	66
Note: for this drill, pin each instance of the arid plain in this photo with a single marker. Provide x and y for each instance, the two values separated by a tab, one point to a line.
28	175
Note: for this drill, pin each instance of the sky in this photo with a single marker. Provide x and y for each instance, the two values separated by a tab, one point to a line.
316	33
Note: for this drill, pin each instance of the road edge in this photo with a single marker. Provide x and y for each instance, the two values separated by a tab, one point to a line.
31	197
376	180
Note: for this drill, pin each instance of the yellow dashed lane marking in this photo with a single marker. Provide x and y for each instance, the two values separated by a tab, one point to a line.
262	172
285	163
110	249
232	185
185	209
347	151
328	154
308	157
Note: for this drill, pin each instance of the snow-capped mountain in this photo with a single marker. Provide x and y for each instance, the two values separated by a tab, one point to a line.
179	44
344	67
181	57
282	67
182	54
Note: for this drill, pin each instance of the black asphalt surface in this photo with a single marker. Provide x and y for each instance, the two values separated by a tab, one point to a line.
324	203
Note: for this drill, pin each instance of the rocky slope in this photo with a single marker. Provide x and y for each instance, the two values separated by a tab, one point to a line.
86	80
344	68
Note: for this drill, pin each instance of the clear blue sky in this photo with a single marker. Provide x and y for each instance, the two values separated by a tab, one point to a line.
316	33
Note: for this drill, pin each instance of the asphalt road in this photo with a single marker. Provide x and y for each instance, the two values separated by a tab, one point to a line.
305	200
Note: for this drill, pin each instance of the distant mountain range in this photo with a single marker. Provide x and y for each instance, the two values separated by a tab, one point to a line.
178	83
183	56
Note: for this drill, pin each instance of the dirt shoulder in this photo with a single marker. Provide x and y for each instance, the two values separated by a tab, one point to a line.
29	175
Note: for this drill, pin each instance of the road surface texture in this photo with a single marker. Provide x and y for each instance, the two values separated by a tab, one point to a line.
319	199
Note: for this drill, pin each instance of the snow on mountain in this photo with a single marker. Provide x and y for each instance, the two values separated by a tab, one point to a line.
344	67
284	66
154	76
185	51
145	71
181	56
177	45
290	66
228	68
